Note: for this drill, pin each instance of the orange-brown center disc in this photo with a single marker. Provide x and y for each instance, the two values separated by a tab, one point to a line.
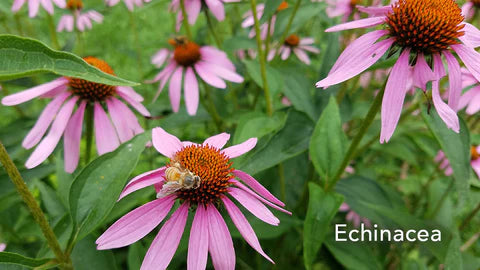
292	40
474	153
90	90
186	52
282	6
427	26
213	168
74	4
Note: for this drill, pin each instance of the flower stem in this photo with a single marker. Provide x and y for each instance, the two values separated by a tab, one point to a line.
32	205
53	32
261	57
212	31
89	119
185	20
372	112
289	23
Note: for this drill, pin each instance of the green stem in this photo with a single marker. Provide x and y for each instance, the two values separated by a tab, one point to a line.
212	30
267	39
212	110
185	20
261	57
89	120
53	32
289	24
372	112
32	205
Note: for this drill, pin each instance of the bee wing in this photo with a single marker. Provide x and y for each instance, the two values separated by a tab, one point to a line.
169	188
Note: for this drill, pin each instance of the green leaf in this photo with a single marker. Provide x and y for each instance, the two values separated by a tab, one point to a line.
271	7
96	189
304	13
14	258
85	256
328	142
353	255
256	124
454	256
322	207
20	57
297	90
239	43
290	141
456	147
274	78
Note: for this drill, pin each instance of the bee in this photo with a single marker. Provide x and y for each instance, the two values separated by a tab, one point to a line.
176	178
178	41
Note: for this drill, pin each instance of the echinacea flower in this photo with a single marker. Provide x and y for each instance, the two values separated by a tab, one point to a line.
249	21
215	185
129	3
187	61
474	161
469	8
422	30
299	46
471	97
353	217
59	116
83	19
33	6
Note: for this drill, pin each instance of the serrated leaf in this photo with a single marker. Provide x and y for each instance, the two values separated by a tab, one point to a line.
97	187
20	57
322	207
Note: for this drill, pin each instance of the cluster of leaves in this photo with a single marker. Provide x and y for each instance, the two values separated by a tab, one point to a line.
300	150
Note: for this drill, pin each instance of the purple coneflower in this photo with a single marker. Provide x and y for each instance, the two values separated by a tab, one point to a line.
188	60
353	217
299	46
33	6
215	185
59	116
129	3
474	161
249	21
83	19
425	31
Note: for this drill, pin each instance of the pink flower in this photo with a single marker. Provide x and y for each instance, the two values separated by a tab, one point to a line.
469	8
353	217
444	163
444	30
33	6
474	161
129	3
249	21
189	60
66	92
470	98
3	246
299	46
201	178
83	20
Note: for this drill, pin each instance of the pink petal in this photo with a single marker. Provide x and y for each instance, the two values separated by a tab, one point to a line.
159	58
302	55
255	185
193	9
395	91
124	132
209	77
220	242
166	242
470	58
163	77
48	6
198	241
471	38
34	92
175	87
97	17
105	135
46	147
455	80
240	149
44	121
357	57
143	180
309	48
362	23
215	56
469	97
467	10
135	104
128	91
191	91
444	111
17	4
128	116
249	191
307	41
33	6
72	137
136	224
476	166
422	73
60	3
254	206
217	141
165	143
221	72
375	11
216	7
285	53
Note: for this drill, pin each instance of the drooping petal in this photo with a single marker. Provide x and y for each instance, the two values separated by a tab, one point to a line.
469	98
198	241
135	104
175	87
302	55
33	6
220	242
47	145
193	9
143	180
240	149
72	137
105	136
254	206
471	36
44	121
34	92
166	242
48	6
126	90
123	131
470	58
448	115
165	143
216	7
476	166
209	77
395	91
191	91
17	4
375	11
362	23
307	41
285	52
217	141
467	10
221	72
422	73
454	80
213	55
243	226
159	58
136	224
255	185
60	3
128	116
357	57
258	197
